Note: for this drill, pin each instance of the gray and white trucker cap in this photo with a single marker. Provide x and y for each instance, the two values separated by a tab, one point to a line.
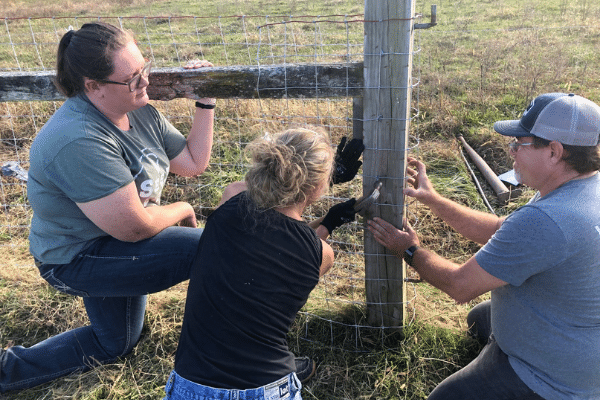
566	118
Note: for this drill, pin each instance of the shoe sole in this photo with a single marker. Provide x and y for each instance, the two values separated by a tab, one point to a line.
312	373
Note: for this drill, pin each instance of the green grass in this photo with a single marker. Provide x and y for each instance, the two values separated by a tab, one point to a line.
483	62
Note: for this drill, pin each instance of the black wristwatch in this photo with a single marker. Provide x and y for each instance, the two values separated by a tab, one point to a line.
409	253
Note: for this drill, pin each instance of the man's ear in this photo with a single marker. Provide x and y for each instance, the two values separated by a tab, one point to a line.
556	151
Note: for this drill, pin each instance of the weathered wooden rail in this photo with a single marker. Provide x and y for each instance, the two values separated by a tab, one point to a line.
246	82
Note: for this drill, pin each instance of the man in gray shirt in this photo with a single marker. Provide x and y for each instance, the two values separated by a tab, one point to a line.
541	263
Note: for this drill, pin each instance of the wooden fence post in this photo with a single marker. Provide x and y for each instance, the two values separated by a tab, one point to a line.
387	109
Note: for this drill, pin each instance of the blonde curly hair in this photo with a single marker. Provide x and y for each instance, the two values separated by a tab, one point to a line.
288	167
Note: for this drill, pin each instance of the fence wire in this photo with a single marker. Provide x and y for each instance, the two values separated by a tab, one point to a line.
337	305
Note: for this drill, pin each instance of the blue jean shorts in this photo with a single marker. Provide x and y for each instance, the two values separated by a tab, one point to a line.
286	388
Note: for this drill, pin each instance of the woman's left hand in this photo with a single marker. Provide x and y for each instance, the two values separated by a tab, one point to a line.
193	64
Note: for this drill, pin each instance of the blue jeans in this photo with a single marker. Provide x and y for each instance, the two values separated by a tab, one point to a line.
114	278
286	388
490	376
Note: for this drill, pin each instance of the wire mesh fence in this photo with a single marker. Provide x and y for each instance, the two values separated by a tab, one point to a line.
338	303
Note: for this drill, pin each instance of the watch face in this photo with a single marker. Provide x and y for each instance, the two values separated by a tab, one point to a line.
408	254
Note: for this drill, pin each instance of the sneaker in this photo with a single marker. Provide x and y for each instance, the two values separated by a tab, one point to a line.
305	368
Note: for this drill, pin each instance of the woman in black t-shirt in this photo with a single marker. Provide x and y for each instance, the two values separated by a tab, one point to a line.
257	263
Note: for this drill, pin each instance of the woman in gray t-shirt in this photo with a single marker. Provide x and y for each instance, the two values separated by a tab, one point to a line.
99	231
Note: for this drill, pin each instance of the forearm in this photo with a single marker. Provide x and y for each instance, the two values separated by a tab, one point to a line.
475	225
321	231
461	282
123	216
199	141
440	273
159	218
316	223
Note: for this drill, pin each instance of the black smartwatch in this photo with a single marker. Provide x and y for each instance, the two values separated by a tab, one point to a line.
205	106
409	253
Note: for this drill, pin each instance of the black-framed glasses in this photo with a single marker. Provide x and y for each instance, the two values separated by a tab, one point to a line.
134	82
514	145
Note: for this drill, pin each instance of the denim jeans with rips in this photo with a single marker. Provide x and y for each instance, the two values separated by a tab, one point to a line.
114	279
286	388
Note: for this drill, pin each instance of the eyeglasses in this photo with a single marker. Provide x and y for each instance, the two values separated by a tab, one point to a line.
514	145
134	82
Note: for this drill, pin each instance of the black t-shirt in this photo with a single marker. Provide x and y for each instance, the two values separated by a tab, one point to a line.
253	272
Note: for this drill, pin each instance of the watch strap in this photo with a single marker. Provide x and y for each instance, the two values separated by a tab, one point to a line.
205	106
409	253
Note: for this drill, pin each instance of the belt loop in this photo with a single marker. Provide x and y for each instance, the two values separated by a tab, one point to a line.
295	380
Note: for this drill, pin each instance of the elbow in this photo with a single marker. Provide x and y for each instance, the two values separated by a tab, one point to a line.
325	269
199	163
195	171
130	238
133	235
461	298
460	289
200	170
133	238
328	260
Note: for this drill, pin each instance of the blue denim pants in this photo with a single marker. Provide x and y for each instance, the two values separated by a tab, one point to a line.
114	278
179	388
490	376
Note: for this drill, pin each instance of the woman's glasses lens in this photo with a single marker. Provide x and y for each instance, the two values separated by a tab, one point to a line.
134	83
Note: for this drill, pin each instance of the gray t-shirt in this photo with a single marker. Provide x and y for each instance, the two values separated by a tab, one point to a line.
547	319
79	156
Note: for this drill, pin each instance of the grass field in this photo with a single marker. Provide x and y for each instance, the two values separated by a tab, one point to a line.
483	62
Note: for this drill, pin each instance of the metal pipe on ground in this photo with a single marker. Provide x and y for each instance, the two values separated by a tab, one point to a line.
499	188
